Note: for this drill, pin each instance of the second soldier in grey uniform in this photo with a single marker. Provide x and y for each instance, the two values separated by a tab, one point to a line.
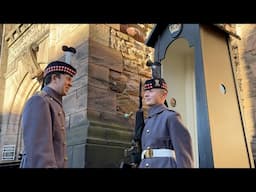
43	120
166	142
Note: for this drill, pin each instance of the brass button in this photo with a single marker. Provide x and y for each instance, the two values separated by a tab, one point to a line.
173	102
65	158
147	130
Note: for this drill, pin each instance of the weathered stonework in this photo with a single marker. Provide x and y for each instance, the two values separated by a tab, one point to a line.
110	64
18	82
103	90
244	61
19	74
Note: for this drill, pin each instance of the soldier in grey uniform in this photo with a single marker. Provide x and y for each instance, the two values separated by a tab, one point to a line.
43	120
165	141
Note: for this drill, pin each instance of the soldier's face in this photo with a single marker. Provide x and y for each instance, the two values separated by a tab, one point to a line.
154	96
63	84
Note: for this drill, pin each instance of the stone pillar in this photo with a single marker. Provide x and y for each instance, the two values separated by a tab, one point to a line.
244	56
115	65
1	79
3	66
109	65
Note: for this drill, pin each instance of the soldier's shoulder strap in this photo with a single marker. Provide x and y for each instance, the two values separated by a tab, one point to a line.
164	110
46	97
42	93
172	111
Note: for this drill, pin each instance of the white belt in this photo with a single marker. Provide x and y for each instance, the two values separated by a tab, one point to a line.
149	153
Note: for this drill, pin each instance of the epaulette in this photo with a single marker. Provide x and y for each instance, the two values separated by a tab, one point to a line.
171	110
174	112
41	93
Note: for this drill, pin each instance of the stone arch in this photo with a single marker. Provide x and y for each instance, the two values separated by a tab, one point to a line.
27	62
26	89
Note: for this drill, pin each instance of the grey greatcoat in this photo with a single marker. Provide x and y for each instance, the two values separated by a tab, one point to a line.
164	129
44	134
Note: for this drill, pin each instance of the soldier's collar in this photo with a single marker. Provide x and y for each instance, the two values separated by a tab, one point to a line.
53	94
156	109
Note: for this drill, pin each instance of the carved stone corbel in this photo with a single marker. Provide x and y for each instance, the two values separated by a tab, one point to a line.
35	69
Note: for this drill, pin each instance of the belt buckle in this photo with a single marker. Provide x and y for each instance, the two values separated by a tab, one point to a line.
148	153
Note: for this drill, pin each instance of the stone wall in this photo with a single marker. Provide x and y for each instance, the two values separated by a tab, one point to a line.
110	60
116	64
16	70
1	78
244	64
24	62
110	64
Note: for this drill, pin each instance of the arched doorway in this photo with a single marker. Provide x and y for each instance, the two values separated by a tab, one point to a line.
178	71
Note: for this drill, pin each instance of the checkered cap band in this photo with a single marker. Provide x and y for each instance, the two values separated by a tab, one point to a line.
155	83
59	66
